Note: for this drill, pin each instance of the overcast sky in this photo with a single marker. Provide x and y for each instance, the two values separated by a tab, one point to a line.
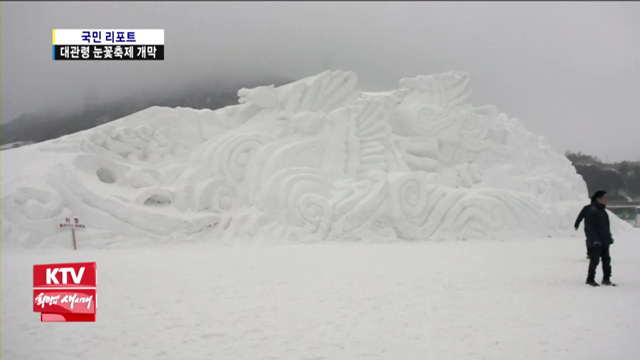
570	70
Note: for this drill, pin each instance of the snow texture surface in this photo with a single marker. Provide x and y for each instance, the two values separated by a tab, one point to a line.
482	299
317	159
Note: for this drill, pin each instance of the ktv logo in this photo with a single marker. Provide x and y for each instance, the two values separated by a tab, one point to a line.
65	292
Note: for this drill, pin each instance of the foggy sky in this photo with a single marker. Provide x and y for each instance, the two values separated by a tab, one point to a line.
570	71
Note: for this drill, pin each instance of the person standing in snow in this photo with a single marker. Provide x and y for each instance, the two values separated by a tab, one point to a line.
596	228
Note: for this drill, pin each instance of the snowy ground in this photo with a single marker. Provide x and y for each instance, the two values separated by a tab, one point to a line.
287	169
430	300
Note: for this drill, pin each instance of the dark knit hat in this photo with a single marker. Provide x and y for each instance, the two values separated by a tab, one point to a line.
597	195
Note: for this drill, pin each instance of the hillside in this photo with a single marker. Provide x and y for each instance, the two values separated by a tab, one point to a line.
621	180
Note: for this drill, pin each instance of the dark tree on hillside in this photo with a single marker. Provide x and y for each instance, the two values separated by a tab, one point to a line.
580	158
617	179
633	182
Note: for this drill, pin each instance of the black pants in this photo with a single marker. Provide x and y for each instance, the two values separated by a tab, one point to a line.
595	253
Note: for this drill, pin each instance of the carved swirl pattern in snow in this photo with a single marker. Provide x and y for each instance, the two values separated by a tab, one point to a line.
433	120
409	194
356	203
215	195
409	203
300	196
231	155
472	127
33	204
479	216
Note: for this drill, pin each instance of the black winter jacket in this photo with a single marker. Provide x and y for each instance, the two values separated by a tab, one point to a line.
596	224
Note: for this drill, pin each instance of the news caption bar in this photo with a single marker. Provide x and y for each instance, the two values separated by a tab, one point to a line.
108	44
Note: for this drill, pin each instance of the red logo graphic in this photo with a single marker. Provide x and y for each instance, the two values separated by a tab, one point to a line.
65	292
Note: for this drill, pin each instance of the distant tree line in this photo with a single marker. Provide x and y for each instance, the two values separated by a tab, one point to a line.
621	180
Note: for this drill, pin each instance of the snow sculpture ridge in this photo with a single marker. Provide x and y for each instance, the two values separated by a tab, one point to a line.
317	159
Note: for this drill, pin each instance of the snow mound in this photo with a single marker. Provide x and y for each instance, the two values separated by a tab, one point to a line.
317	159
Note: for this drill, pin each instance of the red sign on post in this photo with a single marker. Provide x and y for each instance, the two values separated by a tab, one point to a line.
65	292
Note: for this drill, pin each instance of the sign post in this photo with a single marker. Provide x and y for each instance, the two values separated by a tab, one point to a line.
76	225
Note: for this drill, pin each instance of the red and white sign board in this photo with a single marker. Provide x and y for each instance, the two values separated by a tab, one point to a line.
65	292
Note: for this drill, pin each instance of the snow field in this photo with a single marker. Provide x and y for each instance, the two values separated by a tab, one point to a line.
483	299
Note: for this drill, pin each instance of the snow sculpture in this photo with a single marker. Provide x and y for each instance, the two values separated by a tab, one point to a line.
317	159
